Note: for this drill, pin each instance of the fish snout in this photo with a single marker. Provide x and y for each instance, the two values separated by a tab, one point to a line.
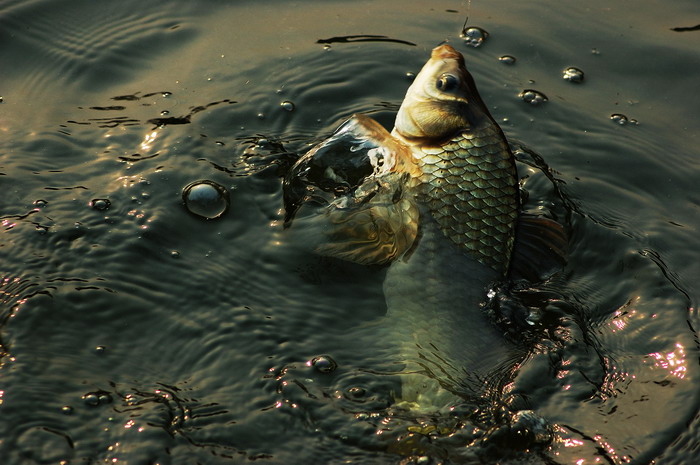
446	52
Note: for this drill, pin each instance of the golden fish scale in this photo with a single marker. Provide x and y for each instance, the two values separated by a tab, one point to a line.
470	184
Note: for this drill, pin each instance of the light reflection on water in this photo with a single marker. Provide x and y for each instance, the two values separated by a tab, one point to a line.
239	302
674	362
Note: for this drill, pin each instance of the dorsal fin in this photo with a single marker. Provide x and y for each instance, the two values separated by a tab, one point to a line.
540	250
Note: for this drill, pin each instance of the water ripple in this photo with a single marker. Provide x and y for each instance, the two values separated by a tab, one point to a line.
86	44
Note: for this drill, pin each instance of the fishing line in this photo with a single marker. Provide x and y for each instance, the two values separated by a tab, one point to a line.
466	20
464	26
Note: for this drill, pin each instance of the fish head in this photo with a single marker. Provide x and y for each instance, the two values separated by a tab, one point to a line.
441	100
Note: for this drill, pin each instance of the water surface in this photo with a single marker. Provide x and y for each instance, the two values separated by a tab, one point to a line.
134	331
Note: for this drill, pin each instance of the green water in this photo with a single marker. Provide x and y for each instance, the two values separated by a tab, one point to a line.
141	333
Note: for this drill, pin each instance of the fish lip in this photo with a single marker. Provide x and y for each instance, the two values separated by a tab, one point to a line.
446	52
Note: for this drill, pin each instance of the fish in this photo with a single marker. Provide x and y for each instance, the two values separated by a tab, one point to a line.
437	202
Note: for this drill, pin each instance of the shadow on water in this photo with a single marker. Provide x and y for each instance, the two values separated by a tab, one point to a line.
134	331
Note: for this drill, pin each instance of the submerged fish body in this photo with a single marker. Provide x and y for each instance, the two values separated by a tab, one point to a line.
467	194
441	208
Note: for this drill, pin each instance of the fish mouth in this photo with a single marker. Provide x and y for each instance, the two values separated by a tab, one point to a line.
446	52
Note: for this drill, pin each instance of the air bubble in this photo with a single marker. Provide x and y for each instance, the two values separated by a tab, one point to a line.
533	317
527	423
94	399
41	203
287	105
206	199
474	36
100	204
622	120
356	392
100	350
573	74
411	76
91	399
67	410
507	59
533	97
324	364
619	118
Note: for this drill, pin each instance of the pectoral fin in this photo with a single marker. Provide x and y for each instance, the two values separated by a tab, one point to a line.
362	174
375	229
540	249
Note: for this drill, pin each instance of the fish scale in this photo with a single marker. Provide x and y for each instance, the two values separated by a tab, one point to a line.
470	187
443	216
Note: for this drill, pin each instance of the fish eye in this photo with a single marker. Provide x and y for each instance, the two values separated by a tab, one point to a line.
447	82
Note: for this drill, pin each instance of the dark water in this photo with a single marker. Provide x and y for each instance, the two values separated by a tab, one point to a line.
135	332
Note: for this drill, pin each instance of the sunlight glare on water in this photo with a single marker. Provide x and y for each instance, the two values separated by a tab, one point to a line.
272	353
674	362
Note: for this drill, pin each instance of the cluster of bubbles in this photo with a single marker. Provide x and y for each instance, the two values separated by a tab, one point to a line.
474	36
622	120
93	399
533	97
286	105
573	74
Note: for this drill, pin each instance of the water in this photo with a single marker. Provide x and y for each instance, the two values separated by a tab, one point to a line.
136	332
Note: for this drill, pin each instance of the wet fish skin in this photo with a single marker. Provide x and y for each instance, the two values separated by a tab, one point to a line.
465	185
468	176
442	213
